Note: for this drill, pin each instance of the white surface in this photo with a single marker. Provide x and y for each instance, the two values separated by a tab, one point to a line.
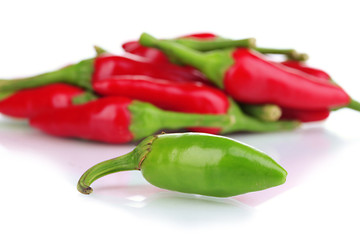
39	173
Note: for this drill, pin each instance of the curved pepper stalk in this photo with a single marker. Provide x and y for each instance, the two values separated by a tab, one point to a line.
194	163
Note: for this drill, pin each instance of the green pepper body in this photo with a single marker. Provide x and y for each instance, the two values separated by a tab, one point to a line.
209	165
195	163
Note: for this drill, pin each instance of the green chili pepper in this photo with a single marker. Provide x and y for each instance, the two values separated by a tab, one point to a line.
194	163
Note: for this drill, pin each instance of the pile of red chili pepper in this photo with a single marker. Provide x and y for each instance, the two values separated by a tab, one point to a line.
199	82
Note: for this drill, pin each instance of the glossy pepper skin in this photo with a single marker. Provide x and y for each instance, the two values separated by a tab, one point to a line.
306	69
155	55
168	95
120	120
84	73
322	76
194	163
117	120
207	42
106	66
248	77
270	82
29	102
304	115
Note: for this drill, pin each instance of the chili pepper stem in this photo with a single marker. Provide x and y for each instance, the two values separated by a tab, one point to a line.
265	112
78	74
99	50
219	43
122	163
174	120
242	122
185	54
288	52
83	98
148	119
4	95
208	63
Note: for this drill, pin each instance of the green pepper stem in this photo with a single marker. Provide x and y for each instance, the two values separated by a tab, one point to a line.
186	55
30	82
122	163
213	64
4	95
242	122
99	50
213	44
176	120
265	112
290	53
78	74
83	98
148	119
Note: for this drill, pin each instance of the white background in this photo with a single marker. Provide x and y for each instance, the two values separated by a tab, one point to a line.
38	174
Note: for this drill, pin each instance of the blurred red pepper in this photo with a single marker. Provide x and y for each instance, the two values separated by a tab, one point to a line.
117	120
120	120
155	55
87	71
300	114
306	69
250	78
321	76
168	95
304	115
29	102
107	66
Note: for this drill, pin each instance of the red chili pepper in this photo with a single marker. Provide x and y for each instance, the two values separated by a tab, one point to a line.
87	71
320	76
29	102
306	69
155	55
119	120
108	66
250	78
202	35
304	115
173	96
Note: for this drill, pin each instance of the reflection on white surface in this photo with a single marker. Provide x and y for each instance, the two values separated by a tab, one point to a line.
298	152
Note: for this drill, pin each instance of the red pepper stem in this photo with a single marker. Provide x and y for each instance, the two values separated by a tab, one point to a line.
83	98
242	122
265	112
99	50
186	55
122	163
4	95
148	119
35	81
208	63
78	74
217	43
290	53
175	120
